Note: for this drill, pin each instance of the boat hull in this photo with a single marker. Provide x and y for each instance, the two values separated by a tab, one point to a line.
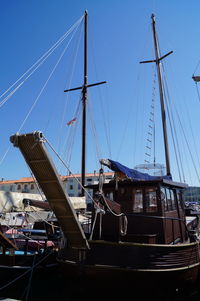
142	267
22	275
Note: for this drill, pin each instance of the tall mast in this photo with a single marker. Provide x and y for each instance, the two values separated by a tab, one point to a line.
161	97
157	61
84	101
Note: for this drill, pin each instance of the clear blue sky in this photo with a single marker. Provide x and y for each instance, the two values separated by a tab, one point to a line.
119	37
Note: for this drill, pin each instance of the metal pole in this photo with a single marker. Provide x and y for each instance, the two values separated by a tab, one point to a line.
161	98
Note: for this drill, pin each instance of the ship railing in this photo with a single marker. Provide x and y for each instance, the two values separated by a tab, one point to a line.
190	233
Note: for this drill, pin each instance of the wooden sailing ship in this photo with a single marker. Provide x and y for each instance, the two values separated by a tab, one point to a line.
140	236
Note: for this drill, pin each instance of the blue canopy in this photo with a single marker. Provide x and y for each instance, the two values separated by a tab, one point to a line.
134	174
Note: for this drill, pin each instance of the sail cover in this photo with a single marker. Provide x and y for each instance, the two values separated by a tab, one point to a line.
131	173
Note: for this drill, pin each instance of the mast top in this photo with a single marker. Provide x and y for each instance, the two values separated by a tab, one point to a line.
157	60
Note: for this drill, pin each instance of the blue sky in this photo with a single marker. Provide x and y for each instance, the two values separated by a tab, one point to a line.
119	37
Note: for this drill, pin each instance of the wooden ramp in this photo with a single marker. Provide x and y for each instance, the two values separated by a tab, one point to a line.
32	146
6	243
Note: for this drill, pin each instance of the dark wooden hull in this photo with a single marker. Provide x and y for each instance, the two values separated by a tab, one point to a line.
140	267
23	274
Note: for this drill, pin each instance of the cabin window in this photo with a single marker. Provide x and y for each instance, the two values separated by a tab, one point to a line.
110	196
122	190
170	199
151	200
138	201
173	200
179	198
163	198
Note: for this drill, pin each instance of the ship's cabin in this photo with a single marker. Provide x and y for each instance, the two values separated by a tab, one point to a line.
141	211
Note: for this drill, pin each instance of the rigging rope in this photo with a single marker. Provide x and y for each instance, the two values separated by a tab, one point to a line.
28	271
93	127
30	279
69	85
45	84
38	63
69	143
172	123
173	129
197	91
187	144
151	127
66	166
106	120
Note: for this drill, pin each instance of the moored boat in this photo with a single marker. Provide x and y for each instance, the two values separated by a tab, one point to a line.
140	235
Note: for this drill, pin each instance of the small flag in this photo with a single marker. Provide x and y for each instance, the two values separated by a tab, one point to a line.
71	121
196	78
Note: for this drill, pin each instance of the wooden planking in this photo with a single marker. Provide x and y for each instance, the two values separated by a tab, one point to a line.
32	146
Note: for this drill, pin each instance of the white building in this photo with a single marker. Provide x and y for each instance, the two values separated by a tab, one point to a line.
71	184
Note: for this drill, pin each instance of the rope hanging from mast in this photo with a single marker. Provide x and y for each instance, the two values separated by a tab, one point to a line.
196	80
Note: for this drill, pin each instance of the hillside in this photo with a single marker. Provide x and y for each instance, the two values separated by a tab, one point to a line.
192	194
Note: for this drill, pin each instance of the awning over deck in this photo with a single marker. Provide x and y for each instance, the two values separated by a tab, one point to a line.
131	173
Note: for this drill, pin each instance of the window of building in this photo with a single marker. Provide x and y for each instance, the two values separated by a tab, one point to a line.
138	201
19	187
25	188
32	186
151	200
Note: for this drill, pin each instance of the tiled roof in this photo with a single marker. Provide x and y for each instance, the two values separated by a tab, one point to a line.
63	178
22	180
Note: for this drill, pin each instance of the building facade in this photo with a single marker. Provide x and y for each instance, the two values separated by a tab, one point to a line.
72	184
